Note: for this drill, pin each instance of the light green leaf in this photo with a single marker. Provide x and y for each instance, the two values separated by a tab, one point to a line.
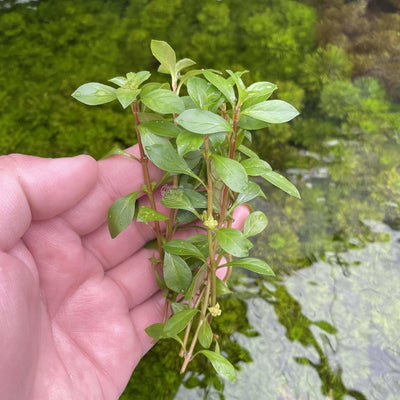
231	172
241	88
197	89
120	214
184	63
177	198
223	367
258	92
282	183
197	199
253	264
178	322
197	281
247	152
181	247
255	223
94	93
222	288
203	122
222	84
117	151
126	96
147	214
252	191
119	80
166	158
165	54
233	242
177	274
155	331
136	79
205	334
163	101
176	307
162	128
255	166
271	111
246	122
188	141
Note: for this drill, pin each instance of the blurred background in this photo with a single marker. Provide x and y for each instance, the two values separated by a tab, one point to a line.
327	327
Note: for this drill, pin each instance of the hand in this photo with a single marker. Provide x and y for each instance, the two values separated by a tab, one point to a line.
74	303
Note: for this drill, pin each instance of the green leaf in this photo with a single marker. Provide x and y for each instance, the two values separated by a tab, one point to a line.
197	199
255	223
282	183
165	54
178	322
271	111
203	122
162	128
136	79
188	141
205	334
255	166
233	242
253	264
252	191
120	214
246	122
176	307
94	93
197	281
258	92
147	214
117	151
177	274
247	152
241	88
184	63
222	288
163	101
119	80
177	198
231	172
126	96
166	158
198	92
182	247
222	84
155	331
223	367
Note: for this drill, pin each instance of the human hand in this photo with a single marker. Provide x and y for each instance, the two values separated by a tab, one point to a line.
74	303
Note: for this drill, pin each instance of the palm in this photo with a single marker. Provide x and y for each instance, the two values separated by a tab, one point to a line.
76	302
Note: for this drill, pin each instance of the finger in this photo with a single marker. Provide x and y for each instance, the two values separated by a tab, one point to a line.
39	188
110	252
118	176
144	315
135	277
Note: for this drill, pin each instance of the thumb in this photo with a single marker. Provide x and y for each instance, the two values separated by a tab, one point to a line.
39	188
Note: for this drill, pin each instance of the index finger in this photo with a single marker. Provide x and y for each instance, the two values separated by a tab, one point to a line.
117	177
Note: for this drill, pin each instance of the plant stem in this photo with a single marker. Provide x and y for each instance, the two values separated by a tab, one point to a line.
189	354
212	270
224	203
144	162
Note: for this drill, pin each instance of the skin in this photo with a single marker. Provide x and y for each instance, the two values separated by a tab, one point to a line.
74	303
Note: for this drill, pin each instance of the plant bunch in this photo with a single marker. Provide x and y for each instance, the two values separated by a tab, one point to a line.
194	128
